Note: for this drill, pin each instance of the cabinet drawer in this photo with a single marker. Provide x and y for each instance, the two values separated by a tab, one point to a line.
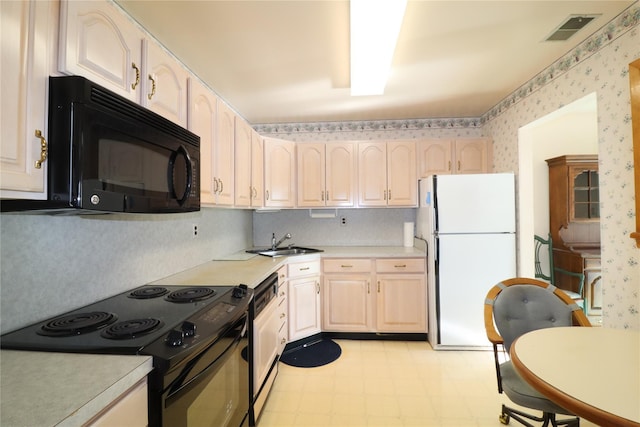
347	265
300	269
400	265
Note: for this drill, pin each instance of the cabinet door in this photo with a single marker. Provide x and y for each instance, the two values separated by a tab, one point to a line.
257	170
224	151
25	66
202	122
265	336
340	174
372	173
98	42
401	303
164	84
242	158
304	307
472	155
311	174
279	173
402	181
434	157
347	303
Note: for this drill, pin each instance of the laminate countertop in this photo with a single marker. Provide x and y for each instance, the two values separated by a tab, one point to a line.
62	389
41	389
251	269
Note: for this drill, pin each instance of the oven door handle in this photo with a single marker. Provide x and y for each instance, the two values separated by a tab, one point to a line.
178	389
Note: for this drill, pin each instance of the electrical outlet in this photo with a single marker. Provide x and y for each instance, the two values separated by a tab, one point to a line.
343	221
195	230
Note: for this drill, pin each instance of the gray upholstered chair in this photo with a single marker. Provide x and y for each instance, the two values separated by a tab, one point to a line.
513	308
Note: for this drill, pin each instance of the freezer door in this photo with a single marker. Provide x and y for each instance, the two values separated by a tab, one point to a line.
482	203
467	267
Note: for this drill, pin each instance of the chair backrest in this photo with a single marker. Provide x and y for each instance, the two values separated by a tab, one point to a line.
520	305
543	247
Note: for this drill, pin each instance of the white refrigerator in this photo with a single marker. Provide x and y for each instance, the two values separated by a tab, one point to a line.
469	223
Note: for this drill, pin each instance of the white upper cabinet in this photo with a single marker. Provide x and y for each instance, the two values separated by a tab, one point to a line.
202	122
101	44
279	173
27	30
257	170
326	174
223	158
387	174
449	156
243	146
165	84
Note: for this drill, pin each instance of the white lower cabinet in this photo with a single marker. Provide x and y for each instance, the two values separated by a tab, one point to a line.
304	299
130	409
374	295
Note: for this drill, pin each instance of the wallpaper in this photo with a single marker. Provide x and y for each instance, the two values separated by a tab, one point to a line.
599	65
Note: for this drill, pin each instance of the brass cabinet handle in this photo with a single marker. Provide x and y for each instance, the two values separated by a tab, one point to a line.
385	194
153	87
43	149
282	341
346	265
378	286
368	287
134	85
282	293
458	164
326	196
322	196
449	167
267	195
389	194
318	287
215	185
400	266
304	268
221	185
282	315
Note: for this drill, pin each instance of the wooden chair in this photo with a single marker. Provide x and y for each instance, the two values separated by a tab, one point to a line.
541	246
515	307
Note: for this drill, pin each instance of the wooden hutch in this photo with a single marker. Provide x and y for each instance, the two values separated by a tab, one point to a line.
574	224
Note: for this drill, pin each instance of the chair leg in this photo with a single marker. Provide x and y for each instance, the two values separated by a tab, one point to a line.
546	419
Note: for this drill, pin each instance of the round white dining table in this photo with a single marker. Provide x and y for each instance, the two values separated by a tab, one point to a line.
592	372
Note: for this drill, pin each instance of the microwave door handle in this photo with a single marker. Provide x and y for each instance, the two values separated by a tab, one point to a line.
172	165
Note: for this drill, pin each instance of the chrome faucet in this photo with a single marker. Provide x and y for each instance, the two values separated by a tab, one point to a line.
274	244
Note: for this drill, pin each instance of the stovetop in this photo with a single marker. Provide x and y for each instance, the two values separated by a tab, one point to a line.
130	322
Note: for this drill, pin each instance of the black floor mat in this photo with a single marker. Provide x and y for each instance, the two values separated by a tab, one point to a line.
312	354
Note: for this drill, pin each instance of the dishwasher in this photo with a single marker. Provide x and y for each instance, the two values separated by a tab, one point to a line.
263	354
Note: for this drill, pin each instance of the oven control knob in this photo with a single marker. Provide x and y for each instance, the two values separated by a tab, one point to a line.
239	291
188	328
174	338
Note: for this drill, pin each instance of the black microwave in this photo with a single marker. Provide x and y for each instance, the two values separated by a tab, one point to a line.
109	154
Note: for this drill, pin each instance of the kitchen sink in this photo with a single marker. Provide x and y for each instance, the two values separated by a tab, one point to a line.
288	251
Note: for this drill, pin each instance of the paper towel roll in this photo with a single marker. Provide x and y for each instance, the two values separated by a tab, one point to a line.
408	234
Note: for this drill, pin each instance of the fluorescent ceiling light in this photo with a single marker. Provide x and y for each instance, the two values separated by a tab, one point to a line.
375	25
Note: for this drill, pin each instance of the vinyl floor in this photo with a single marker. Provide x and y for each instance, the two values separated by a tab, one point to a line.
389	383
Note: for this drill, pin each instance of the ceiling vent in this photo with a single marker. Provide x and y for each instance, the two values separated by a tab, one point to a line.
569	27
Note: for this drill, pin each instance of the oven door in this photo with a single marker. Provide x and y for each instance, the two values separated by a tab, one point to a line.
212	389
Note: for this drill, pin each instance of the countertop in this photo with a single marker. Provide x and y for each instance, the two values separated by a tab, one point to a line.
252	269
62	389
50	389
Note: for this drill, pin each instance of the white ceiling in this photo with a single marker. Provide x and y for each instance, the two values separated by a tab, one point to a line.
288	61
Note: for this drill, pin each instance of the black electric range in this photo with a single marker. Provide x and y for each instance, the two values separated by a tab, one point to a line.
167	322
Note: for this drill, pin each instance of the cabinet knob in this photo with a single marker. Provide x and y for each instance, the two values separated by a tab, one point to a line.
282	341
43	149
282	315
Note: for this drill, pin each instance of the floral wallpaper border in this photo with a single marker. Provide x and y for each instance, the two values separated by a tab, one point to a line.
618	26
